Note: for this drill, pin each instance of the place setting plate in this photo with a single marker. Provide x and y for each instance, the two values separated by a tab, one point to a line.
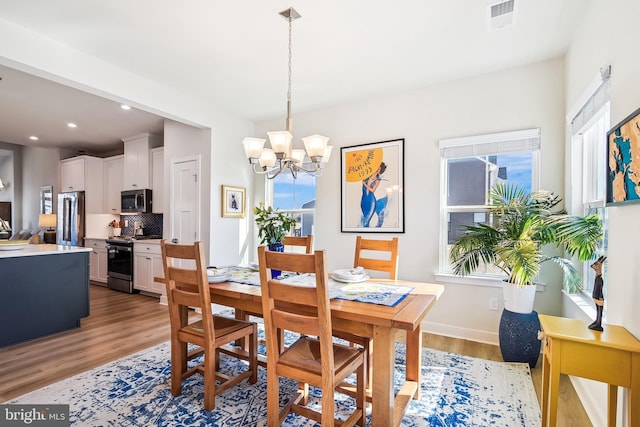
12	245
350	275
217	275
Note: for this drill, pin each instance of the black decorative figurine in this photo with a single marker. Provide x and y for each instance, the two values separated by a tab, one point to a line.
598	295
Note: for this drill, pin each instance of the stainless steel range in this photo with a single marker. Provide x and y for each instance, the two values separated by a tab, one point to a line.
120	262
120	265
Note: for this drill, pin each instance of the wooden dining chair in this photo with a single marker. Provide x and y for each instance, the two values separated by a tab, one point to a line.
313	359
305	242
188	286
377	255
295	241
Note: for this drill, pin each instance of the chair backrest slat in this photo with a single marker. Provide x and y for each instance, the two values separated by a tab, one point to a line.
295	294
305	242
307	325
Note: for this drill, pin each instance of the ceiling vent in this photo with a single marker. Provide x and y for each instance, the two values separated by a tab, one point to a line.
501	14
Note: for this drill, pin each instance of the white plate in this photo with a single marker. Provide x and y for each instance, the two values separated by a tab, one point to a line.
214	272
352	279
346	274
219	278
12	245
254	266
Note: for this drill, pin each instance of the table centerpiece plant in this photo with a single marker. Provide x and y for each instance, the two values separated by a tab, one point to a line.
273	225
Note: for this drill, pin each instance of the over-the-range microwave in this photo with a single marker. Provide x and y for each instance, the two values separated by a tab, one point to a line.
135	201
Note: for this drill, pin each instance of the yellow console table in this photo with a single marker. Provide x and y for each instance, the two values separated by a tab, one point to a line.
612	356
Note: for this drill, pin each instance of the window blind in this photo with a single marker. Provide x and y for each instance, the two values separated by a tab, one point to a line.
496	143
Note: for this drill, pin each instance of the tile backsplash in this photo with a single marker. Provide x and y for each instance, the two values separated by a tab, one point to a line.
152	224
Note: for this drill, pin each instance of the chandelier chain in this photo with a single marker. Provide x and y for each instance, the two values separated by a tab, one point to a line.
288	124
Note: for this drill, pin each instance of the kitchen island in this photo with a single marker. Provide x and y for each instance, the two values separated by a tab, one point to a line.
44	289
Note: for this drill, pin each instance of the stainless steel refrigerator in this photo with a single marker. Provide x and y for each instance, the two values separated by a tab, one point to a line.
70	229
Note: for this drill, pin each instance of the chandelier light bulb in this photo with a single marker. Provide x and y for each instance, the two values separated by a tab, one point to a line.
280	141
327	153
253	147
298	156
267	158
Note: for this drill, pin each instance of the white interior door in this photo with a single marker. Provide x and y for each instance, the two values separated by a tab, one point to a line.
185	201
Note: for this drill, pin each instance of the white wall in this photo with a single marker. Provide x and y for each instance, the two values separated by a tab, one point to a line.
609	36
525	97
11	175
42	171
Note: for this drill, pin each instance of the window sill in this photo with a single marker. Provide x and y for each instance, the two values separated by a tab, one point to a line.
582	303
490	282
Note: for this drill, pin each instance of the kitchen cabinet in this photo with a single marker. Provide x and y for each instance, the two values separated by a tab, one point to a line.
137	159
157	179
113	183
84	173
147	263
97	260
72	174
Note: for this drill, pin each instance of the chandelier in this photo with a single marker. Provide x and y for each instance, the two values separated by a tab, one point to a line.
281	156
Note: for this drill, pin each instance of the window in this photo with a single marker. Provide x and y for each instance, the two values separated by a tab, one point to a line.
588	166
297	196
470	167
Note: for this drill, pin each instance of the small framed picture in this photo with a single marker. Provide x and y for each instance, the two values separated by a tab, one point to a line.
233	201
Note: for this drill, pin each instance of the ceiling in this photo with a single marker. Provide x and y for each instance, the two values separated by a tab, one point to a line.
234	54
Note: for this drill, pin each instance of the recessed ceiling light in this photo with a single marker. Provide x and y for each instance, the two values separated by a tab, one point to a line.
72	125
33	138
125	107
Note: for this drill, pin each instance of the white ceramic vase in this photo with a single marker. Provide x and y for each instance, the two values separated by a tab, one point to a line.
519	299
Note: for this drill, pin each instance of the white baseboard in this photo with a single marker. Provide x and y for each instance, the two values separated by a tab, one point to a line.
463	333
592	404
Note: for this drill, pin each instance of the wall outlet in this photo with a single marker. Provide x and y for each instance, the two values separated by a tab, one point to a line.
493	303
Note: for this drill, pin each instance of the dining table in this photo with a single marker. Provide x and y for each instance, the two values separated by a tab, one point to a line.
376	321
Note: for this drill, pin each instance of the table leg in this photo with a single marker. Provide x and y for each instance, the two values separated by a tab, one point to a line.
612	405
241	315
554	372
383	368
414	357
633	392
544	398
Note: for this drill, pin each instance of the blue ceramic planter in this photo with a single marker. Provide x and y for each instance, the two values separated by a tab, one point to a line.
518	336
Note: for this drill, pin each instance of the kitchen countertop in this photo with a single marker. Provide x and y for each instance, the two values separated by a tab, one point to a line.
45	249
157	241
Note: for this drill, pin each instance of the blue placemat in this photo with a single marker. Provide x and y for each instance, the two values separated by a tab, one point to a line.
369	292
243	275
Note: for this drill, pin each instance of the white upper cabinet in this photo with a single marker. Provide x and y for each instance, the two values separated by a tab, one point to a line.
84	173
72	174
137	159
157	179
113	183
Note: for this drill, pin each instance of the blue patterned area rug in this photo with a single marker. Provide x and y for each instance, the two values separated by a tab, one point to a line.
135	391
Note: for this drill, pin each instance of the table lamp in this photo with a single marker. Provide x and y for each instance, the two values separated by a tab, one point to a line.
49	221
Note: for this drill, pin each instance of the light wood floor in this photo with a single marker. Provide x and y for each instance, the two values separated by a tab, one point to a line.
121	324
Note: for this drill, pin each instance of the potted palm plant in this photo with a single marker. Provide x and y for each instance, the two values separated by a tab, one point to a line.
520	224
